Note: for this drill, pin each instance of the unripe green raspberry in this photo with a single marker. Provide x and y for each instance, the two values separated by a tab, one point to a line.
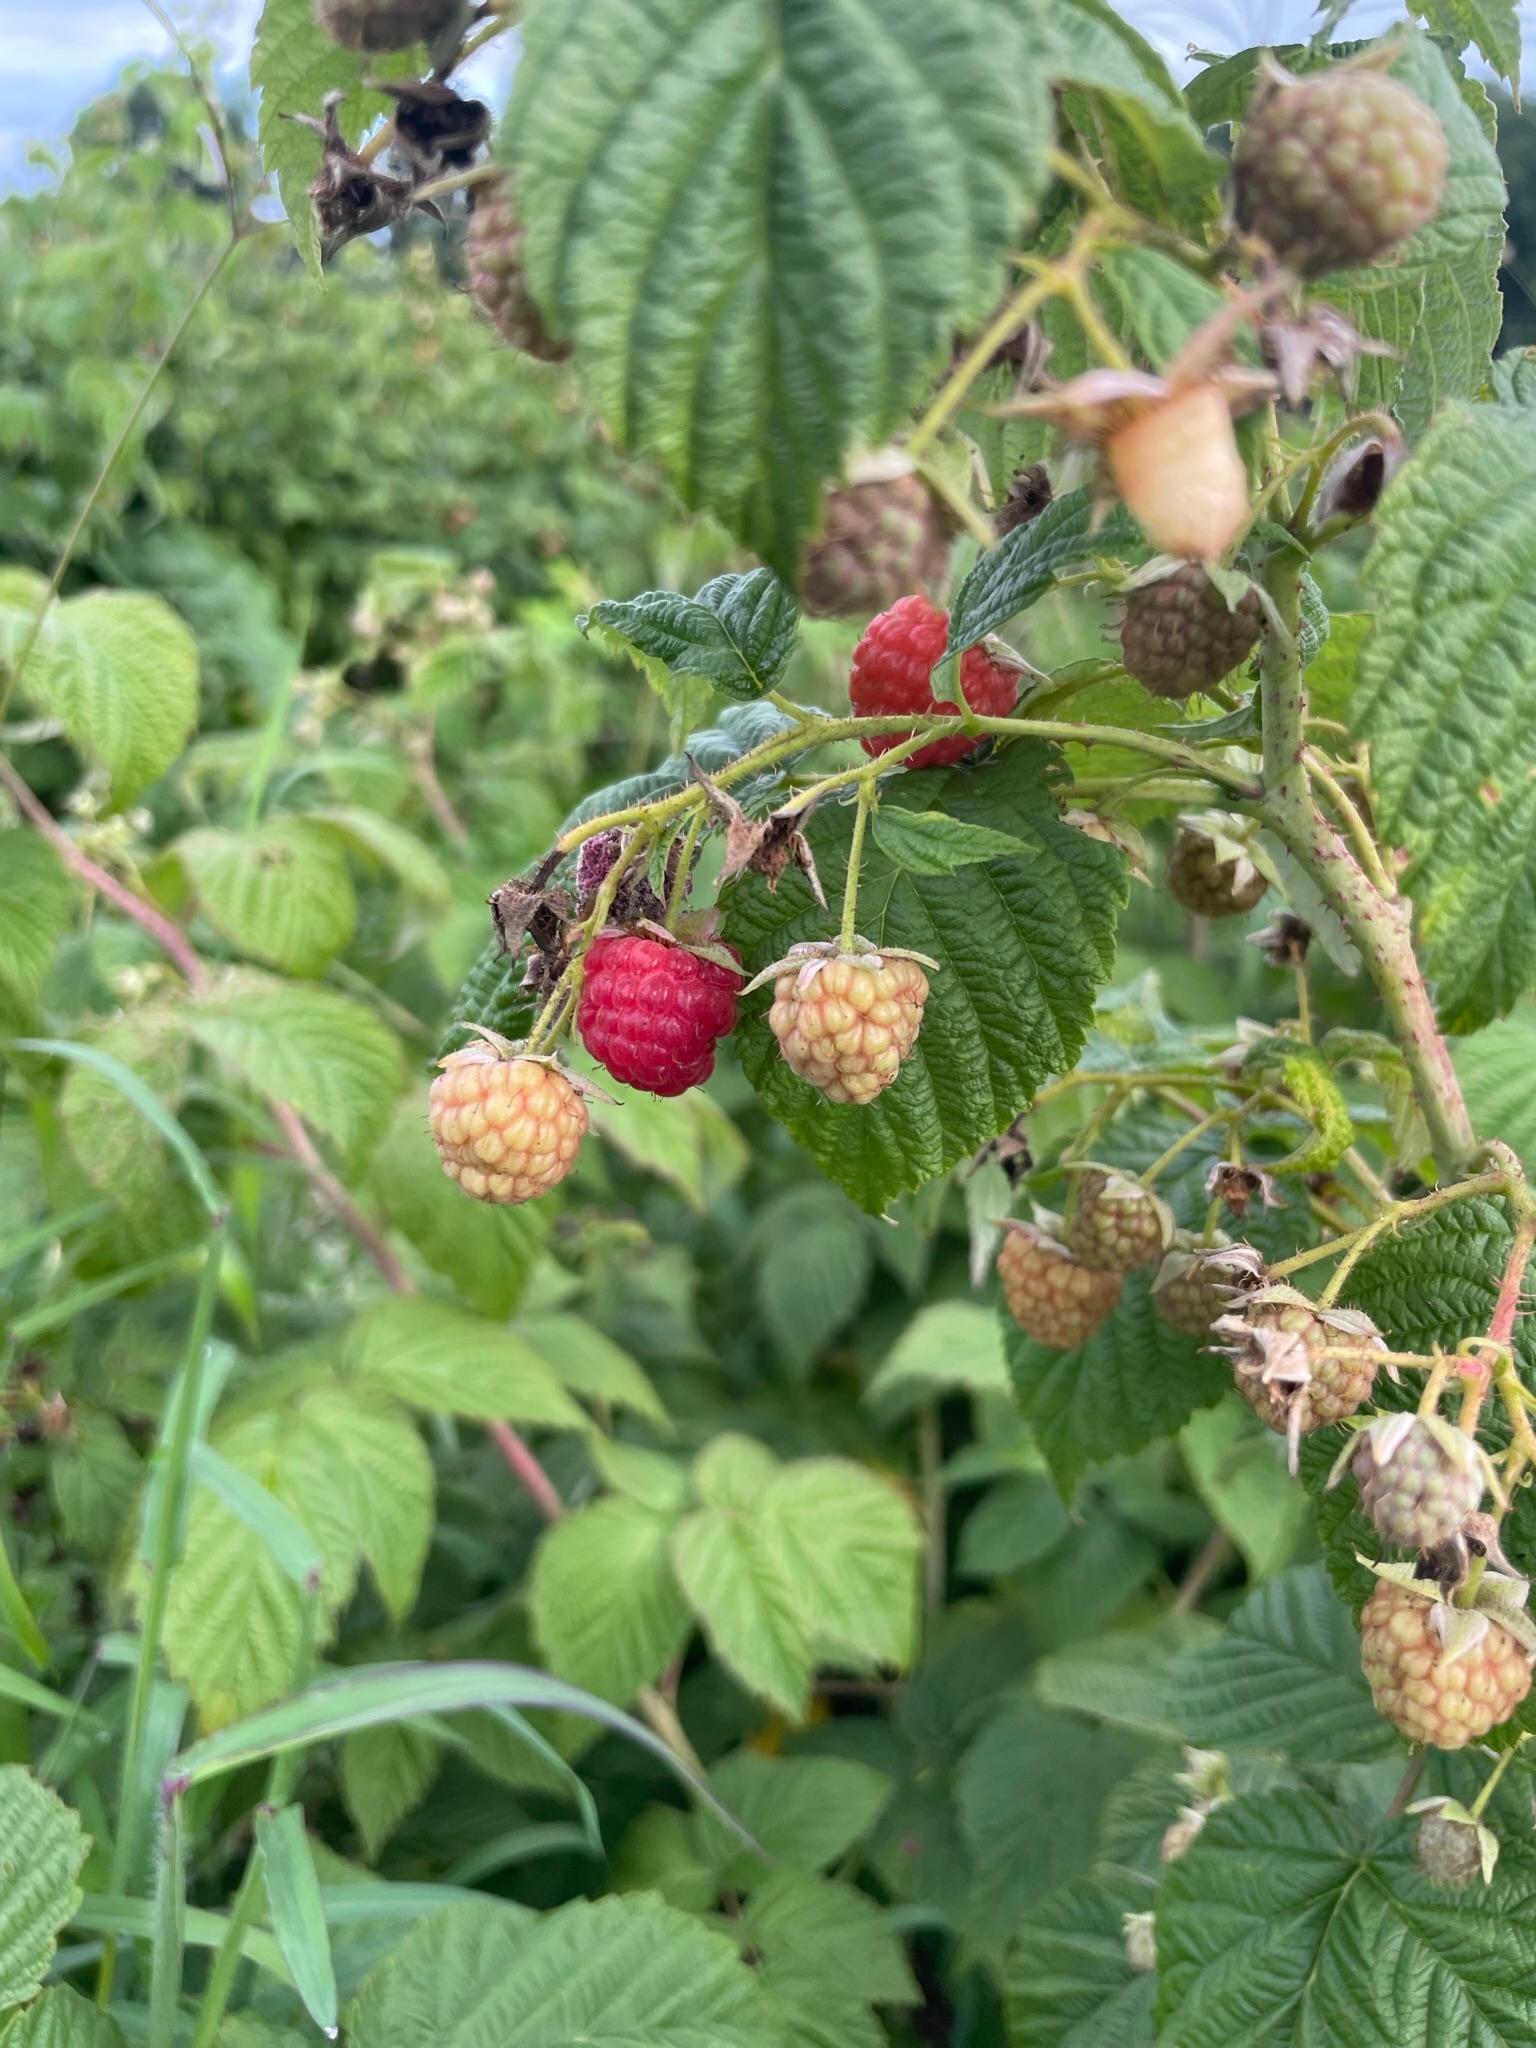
1052	1296
507	1129
1419	1478
493	248
1179	636
1438	1679
1298	1366
879	541
1209	880
379	25
1195	1285
1116	1223
1452	1846
846	1022
1337	169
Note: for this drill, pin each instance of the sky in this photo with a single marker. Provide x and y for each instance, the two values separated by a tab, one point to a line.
55	55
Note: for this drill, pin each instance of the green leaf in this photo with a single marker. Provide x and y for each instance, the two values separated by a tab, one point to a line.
1238	1469
118	670
685	1139
590	1364
280	892
826	1953
327	1056
607	1610
61	2018
737	634
848	1542
1490	24
929	843
1126	1676
738	1586
1022	946
1331	675
381	842
105	1129
1286	1921
813	1267
732	1471
294	64
762	233
1284	1675
148	1105
806	1812
1494	1070
948	1344
35	910
1018	572
610	1973
385	1775
1068	1983
295	1910
1135	1379
261	1511
439	1358
43	1851
1013	1525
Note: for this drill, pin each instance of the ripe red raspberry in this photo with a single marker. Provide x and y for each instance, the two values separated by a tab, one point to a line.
1338	168
1441	1675
1178	636
1299	1366
1052	1296
1209	878
1177	466
493	249
379	25
1419	1478
877	540
508	1128
652	1014
1116	1223
1194	1286
846	1021
891	669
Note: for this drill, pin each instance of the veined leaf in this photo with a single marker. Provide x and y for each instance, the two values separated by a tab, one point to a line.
761	226
44	1849
61	2018
948	1344
741	1591
590	1364
1019	571
737	633
148	1105
439	1358
280	892
35	908
607	1609
826	1953
929	843
1068	1983
385	1775
1491	24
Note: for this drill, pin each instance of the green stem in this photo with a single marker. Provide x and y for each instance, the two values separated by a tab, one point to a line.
1480	1803
1226	1115
173	1500
677	895
866	800
1359	1241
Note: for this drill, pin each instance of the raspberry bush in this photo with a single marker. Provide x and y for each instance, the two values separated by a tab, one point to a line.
765	1032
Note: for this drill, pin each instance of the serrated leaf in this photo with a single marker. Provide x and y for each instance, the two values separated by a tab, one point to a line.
826	1953
437	1357
1018	572
105	1129
383	843
614	1973
607	1609
929	843
806	1813
848	1543
1135	1379
95	1475
1023	944
1068	1983
1494	1070
1283	1676
1491	24
737	633
118	669
1238	1469
331	1058
40	1860
813	1266
1285	1921
761	240
738	1586
294	64
280	892
948	1344
385	1775
590	1364
61	2018
731	1471
685	1139
35	910
1124	1677
1013	1525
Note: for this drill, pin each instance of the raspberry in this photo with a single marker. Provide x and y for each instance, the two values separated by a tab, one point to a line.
1052	1296
1178	635
1337	169
1194	1287
378	25
1441	1675
1176	465
652	1014
1419	1479
1210	880
877	541
846	1022
891	668
1116	1223
1451	1847
493	248
1298	1366
508	1129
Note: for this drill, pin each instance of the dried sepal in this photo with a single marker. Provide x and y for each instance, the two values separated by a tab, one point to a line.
1237	1187
351	196
812	955
1297	346
762	846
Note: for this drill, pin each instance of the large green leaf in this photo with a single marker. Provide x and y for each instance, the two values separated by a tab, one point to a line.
280	892
948	1344
740	1589
848	1541
1441	696
1022	946
1494	1070
1491	24
614	1973
804	1811
437	1357
1018	572
41	1858
1289	1922
1068	1983
61	2018
607	1609
35	906
385	1775
762	223
737	633
813	1265
327	1056
825	1954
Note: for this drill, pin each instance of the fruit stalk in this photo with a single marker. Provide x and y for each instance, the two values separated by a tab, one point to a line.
1379	927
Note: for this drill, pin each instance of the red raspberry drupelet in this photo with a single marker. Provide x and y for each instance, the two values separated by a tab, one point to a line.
652	1014
891	669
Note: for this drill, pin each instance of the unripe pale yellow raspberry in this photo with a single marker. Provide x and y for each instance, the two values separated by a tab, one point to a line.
847	1023
1429	1693
508	1130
